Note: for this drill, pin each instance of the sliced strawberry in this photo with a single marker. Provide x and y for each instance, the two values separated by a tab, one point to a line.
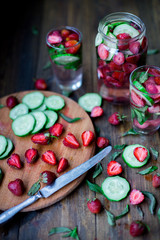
122	44
123	36
154	108
87	137
102	142
49	157
113	66
62	165
14	161
72	46
56	130
157	80
156	181
133	59
140	153
101	63
97	112
65	33
154	72
145	125
103	51
137	100
144	43
151	88
54	39
129	67
118	75
71	141
114	168
16	187
73	36
47	177
134	47
41	138
31	155
136	197
112	82
119	58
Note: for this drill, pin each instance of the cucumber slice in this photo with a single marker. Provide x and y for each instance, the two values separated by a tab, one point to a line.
111	45
41	120
65	59
8	149
145	94
33	100
125	28
115	188
41	108
18	110
3	144
130	159
51	118
98	39
55	102
90	100
23	125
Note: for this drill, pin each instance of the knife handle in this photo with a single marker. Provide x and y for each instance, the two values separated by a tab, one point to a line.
6	215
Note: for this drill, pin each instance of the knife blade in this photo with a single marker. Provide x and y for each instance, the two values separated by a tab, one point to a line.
59	183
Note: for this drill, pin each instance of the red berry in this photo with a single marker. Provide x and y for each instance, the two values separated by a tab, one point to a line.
136	197
73	36
47	177
114	168
41	138
72	46
94	205
156	181
129	67
137	228
151	88
140	153
123	36
134	47
119	58
62	165
122	44
31	155
157	80
56	130
40	84
49	157
103	51
118	76
87	138
133	59
65	33
71	141
97	111
102	142
14	161
113	66
116	118
54	38
137	100
16	187
11	101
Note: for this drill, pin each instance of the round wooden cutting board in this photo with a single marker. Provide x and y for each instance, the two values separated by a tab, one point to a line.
30	172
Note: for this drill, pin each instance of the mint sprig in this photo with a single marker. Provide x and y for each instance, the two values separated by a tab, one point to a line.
69	232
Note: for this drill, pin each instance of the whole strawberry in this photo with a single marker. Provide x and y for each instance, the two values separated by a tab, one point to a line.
11	101
40	84
156	180
47	177
137	228
94	205
102	142
115	119
31	155
16	187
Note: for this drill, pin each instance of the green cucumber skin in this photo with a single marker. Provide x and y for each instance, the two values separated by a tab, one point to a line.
7	152
114	199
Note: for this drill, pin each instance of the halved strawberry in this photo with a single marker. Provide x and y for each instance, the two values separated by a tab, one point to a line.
72	46
157	80
113	66
41	138
151	88
112	82
31	155
114	168
62	165
15	161
73	36
134	47
119	58
154	108
136	197
54	39
97	112
65	33
133	59
140	153
49	157
87	137
118	75
129	67
103	51
56	130
71	141
137	100
122	44
156	181
145	125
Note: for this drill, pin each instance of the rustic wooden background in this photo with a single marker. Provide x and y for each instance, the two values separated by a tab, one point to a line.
23	55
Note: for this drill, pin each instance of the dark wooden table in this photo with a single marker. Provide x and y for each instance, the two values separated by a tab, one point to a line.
23	57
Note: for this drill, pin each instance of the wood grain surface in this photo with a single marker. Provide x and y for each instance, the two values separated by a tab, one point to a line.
23	57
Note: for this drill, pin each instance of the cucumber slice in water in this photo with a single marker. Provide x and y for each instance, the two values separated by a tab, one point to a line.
52	117
98	39
3	144
65	59
130	159
41	120
23	125
115	188
90	100
33	100
125	28
8	149
55	102
18	110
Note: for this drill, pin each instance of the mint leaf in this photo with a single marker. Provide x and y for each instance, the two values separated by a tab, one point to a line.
152	51
94	187
152	201
143	76
111	218
141	213
59	230
47	65
1	106
148	170
68	119
130	132
154	152
34	189
98	170
123	213
115	155
120	147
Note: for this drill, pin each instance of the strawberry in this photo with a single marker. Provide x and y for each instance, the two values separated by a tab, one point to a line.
49	157
103	52
122	44
87	138
112	82
157	80
134	47
114	168
71	141
97	112
136	197
137	100
113	66
31	155
40	84
156	181
137	228
119	58
65	33
47	177
144	43
116	118
140	153
123	36
73	36
41	138
133	59
118	76
14	161
62	165
102	142
11	101
94	205
54	38
151	88
141	126
56	130
16	187
154	108
129	67
72	46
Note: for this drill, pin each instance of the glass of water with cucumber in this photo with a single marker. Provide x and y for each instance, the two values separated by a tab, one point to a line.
65	52
145	99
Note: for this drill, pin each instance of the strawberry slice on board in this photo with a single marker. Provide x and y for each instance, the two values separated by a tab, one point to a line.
62	165
49	157
31	155
87	138
140	153
71	141
136	197
114	168
97	112
56	130
15	161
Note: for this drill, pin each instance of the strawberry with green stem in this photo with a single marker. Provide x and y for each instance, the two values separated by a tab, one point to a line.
115	119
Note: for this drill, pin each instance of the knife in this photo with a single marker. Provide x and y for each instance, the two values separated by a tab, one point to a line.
57	184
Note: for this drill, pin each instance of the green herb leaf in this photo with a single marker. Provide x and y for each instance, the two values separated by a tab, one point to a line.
158	214
94	187
111	218
154	152
143	76
1	106
47	65
152	201
98	170
34	189
148	170
152	51
74	233
130	132
141	213
59	230
123	213
115	155
120	147
68	119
